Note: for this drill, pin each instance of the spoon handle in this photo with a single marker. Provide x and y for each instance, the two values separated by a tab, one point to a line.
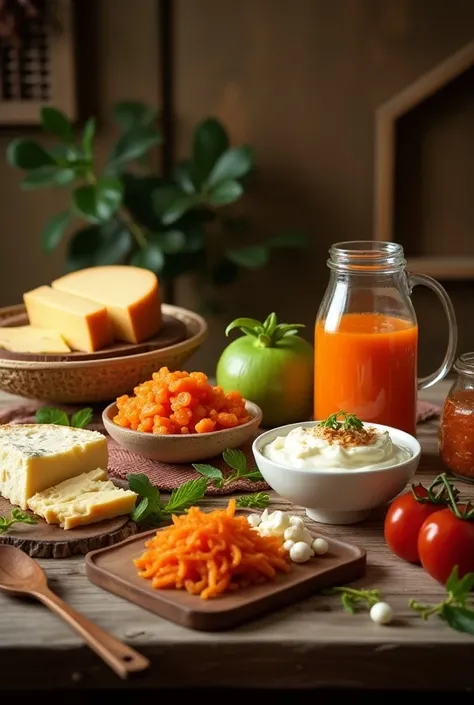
120	657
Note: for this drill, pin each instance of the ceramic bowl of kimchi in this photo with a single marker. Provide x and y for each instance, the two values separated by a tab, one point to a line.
339	477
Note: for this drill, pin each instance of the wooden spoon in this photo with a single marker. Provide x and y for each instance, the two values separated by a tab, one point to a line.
21	575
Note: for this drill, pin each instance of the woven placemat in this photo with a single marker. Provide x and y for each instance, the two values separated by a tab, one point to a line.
164	476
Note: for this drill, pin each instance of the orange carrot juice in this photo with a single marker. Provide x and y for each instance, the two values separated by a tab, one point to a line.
367	367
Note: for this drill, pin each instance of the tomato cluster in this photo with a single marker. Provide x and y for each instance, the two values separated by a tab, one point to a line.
430	527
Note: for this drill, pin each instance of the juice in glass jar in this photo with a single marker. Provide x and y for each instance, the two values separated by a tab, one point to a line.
367	365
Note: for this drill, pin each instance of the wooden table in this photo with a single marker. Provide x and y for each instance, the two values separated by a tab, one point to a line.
312	644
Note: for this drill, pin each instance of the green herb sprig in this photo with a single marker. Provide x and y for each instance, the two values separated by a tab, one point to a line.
17	516
457	609
350	422
259	500
51	415
237	462
150	508
351	598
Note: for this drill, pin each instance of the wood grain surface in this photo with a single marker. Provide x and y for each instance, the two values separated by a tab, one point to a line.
311	644
44	540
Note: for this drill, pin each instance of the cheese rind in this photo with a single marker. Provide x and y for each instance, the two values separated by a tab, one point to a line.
34	457
33	340
130	294
83	324
85	499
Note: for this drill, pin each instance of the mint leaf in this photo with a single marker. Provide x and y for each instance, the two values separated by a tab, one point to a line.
236	459
459	618
48	414
140	483
209	471
259	500
141	510
82	418
465	585
452	582
186	495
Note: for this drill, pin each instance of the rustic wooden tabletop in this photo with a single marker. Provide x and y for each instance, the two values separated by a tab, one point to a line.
310	644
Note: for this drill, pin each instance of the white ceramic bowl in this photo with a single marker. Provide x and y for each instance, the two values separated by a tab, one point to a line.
337	496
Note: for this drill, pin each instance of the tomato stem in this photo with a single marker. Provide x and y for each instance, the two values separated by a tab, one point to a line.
436	493
467	512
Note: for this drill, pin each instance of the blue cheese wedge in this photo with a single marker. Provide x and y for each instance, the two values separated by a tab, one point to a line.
85	499
34	457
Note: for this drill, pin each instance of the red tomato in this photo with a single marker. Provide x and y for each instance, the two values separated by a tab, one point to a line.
444	541
403	522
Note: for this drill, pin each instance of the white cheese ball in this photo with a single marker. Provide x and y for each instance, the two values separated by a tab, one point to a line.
307	536
320	546
276	523
264	516
288	545
254	520
296	521
381	613
300	552
293	533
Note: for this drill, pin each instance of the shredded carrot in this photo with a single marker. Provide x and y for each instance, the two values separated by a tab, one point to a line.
209	553
180	402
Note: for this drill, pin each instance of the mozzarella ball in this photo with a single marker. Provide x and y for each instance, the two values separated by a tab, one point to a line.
296	521
300	552
288	545
320	546
276	523
381	613
264	516
293	533
254	520
307	536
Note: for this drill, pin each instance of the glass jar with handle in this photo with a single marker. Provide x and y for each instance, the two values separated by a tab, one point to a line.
366	336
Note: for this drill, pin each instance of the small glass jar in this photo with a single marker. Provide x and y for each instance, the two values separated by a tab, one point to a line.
456	438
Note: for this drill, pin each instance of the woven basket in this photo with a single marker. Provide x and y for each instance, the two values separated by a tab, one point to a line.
91	381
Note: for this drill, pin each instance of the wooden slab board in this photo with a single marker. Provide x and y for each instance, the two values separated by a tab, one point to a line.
44	540
112	568
173	331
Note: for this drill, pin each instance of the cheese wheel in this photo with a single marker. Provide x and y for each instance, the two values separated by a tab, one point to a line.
130	294
84	325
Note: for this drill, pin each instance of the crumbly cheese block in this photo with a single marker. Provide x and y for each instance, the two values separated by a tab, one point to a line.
131	295
85	499
34	457
83	324
33	340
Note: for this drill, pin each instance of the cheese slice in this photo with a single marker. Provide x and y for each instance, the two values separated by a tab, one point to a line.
34	457
84	325
85	499
130	294
33	340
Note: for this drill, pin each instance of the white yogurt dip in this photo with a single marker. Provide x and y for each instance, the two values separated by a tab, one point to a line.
317	448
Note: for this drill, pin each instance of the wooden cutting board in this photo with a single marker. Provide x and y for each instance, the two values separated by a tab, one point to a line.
44	540
112	568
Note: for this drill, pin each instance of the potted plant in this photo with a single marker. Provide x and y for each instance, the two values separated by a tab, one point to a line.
126	214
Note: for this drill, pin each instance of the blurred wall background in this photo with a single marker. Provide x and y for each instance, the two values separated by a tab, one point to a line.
301	82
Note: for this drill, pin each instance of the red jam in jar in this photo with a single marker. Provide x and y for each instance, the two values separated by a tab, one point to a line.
456	441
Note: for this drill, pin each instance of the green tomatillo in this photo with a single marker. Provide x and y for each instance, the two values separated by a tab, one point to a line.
272	366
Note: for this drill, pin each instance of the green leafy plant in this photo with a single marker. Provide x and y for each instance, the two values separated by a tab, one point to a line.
51	415
350	422
174	225
457	609
151	510
17	516
237	462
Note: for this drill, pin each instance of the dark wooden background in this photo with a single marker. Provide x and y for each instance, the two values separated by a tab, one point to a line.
301	81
